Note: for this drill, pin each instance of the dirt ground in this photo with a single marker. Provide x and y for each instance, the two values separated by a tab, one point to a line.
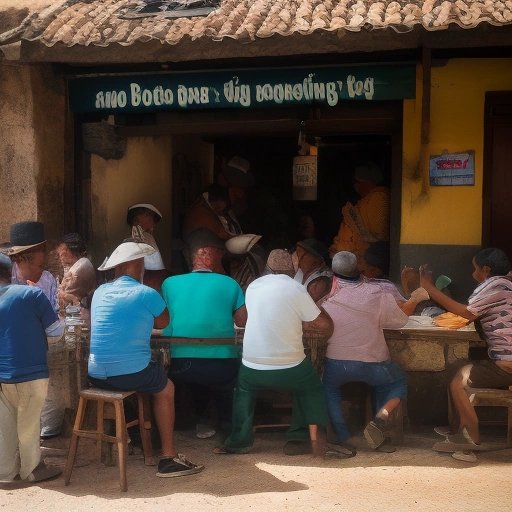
413	478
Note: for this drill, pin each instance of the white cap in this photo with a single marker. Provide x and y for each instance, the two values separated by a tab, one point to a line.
148	206
127	251
242	244
344	264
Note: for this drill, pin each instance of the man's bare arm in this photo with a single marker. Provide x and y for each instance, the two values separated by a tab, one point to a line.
240	316
162	320
321	324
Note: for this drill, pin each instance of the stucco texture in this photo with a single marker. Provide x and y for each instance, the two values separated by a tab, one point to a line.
448	214
31	148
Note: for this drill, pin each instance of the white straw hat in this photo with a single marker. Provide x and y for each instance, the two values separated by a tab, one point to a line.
242	244
127	251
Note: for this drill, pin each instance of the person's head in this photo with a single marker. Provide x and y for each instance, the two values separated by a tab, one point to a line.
128	259
237	178
366	177
344	265
375	262
144	215
279	261
218	197
28	249
206	250
311	254
71	248
490	262
5	268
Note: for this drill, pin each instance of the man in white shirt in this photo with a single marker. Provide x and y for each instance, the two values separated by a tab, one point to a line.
273	358
357	350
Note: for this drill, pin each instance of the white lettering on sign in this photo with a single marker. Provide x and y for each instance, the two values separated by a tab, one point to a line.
309	89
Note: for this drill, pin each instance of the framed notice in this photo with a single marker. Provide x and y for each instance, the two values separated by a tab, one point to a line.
452	169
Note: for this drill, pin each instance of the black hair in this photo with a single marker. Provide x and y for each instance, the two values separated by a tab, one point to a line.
495	259
74	243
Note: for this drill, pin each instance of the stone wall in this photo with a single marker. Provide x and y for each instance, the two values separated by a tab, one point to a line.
32	142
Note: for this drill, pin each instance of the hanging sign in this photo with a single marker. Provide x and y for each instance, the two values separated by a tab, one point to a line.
246	88
305	178
452	169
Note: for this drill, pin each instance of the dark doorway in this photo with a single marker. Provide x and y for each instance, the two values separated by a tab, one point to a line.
497	207
272	211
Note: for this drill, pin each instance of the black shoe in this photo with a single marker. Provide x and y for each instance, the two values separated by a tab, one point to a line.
297	447
177	466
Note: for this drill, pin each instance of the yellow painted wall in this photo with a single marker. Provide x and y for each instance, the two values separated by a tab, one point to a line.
448	215
143	175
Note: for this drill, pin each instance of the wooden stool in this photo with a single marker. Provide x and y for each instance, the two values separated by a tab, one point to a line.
494	398
116	399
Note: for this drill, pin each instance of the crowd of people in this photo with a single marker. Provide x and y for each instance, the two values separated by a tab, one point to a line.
348	301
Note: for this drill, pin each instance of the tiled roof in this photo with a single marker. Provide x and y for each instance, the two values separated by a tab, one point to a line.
105	22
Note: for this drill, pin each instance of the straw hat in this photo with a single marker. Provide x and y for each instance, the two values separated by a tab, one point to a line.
242	244
315	247
24	236
127	251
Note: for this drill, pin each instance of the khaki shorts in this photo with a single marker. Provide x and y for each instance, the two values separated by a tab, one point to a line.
486	374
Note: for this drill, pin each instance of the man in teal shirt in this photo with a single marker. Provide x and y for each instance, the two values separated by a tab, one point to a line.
205	304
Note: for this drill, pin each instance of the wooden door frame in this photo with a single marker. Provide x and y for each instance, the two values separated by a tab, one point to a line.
492	99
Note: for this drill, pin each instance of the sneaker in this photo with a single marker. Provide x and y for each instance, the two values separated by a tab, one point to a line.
465	456
43	472
177	466
374	435
204	431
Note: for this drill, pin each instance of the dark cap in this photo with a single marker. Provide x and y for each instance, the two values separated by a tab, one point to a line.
202	237
315	247
5	262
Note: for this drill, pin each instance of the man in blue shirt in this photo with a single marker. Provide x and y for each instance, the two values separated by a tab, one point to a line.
204	304
123	313
26	318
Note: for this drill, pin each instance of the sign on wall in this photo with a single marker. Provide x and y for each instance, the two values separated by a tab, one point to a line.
246	88
452	169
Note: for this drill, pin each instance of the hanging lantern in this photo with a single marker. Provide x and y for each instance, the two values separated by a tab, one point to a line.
305	178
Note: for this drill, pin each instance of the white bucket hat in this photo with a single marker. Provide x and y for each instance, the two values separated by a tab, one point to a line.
127	251
242	244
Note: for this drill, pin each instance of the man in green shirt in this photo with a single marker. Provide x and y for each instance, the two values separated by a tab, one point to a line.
205	304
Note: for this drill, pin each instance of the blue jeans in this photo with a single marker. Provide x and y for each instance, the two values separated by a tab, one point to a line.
386	378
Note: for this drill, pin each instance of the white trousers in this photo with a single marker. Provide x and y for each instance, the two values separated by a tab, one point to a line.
20	412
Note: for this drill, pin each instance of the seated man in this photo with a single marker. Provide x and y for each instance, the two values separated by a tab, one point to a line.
357	350
312	270
79	278
26	318
123	313
273	358
203	304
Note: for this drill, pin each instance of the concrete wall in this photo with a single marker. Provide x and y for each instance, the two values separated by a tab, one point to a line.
32	135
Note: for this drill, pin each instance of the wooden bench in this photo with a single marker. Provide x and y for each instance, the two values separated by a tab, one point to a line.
486	397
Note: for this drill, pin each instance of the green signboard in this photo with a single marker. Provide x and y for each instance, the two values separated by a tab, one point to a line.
247	88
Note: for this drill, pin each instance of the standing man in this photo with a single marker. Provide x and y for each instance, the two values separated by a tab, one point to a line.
273	358
357	350
204	304
123	313
368	220
26	318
